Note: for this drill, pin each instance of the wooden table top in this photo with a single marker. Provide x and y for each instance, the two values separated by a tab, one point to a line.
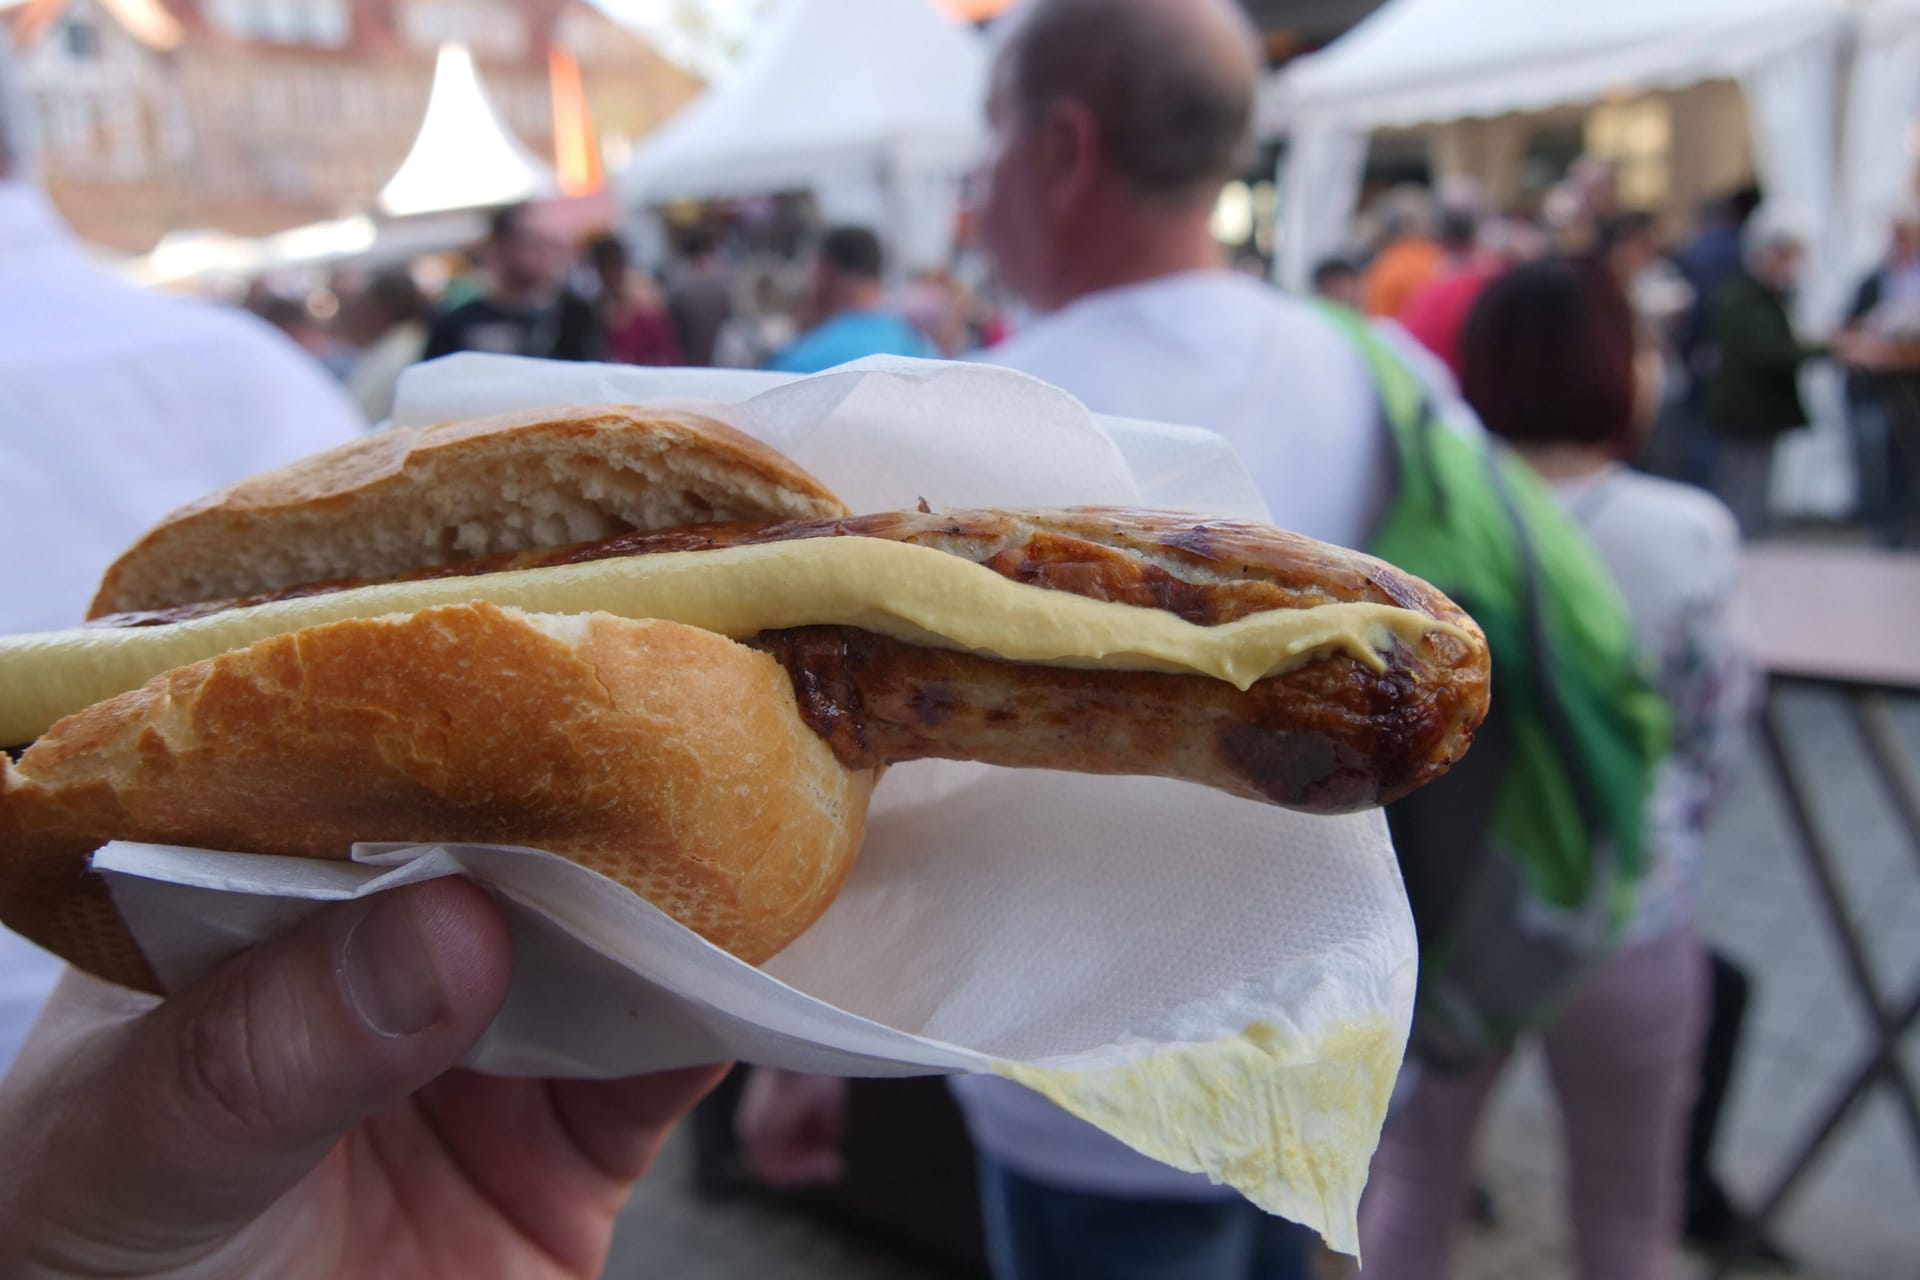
1843	614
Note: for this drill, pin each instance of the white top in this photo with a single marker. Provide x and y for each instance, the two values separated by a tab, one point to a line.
1675	552
116	406
1218	350
1294	398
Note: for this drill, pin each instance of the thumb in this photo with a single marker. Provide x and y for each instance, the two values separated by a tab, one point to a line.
209	1108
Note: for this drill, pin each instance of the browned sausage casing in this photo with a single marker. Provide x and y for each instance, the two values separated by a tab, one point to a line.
1330	736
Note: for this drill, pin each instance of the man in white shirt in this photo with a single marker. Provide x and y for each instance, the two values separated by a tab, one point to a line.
1115	123
116	406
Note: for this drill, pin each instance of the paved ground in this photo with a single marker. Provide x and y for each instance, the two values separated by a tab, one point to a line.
1858	1215
1857	1219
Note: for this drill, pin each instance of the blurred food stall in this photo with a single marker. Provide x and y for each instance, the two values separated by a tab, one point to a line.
887	147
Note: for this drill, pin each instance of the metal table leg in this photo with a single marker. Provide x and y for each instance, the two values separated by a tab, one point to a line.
1874	721
1883	1062
1821	862
1878	1065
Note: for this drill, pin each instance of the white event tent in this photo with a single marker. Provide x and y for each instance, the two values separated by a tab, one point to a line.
873	105
1882	137
1420	62
1429	62
465	156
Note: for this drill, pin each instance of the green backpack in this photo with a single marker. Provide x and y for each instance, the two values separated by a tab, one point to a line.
1521	863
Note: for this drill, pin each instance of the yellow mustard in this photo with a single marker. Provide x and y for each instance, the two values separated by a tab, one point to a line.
908	592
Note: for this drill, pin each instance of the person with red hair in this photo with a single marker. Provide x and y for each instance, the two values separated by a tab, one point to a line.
1548	360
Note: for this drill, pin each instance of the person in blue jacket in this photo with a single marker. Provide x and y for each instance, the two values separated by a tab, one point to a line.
847	299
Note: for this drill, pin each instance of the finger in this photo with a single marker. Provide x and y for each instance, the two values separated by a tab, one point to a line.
191	1120
558	1158
618	1126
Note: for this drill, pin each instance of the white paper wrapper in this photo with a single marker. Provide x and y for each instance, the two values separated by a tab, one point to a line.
1222	984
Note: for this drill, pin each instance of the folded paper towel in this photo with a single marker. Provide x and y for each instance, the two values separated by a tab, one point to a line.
1224	985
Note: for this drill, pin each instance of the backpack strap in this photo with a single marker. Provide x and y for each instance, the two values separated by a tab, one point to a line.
1406	408
1597	912
1413	423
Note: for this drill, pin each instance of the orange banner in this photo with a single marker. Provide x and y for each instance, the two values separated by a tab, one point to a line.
576	148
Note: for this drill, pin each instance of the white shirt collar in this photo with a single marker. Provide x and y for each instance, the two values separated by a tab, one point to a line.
1200	279
28	221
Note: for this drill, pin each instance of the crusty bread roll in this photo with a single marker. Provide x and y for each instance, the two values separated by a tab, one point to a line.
667	758
413	498
380	684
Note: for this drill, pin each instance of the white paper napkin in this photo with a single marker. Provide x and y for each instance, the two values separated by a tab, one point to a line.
1223	984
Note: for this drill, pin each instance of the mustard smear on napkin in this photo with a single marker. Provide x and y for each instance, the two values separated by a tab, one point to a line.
1290	1122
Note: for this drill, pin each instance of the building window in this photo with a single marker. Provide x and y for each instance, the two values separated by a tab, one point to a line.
270	99
283	178
320	96
280	21
406	104
359	96
327	23
126	129
492	33
46	107
175	128
73	128
230	16
83	41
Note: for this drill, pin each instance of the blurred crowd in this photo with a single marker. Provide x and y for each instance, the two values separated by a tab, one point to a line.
1720	355
1567	415
722	298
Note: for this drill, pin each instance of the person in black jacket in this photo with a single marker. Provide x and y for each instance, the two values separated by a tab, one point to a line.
1755	395
528	309
1883	404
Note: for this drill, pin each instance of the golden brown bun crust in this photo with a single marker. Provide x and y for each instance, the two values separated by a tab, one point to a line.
413	498
667	758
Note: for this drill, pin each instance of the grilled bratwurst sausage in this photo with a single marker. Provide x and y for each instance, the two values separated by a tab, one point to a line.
1331	735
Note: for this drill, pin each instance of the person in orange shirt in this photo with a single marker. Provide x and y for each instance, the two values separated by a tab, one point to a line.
1408	260
1437	312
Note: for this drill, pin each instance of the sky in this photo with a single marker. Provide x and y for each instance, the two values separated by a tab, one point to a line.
731	24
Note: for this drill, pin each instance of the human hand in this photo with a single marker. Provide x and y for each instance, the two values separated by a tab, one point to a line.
1862	350
790	1127
296	1115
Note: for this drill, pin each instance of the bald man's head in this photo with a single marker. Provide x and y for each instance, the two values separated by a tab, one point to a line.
1170	83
